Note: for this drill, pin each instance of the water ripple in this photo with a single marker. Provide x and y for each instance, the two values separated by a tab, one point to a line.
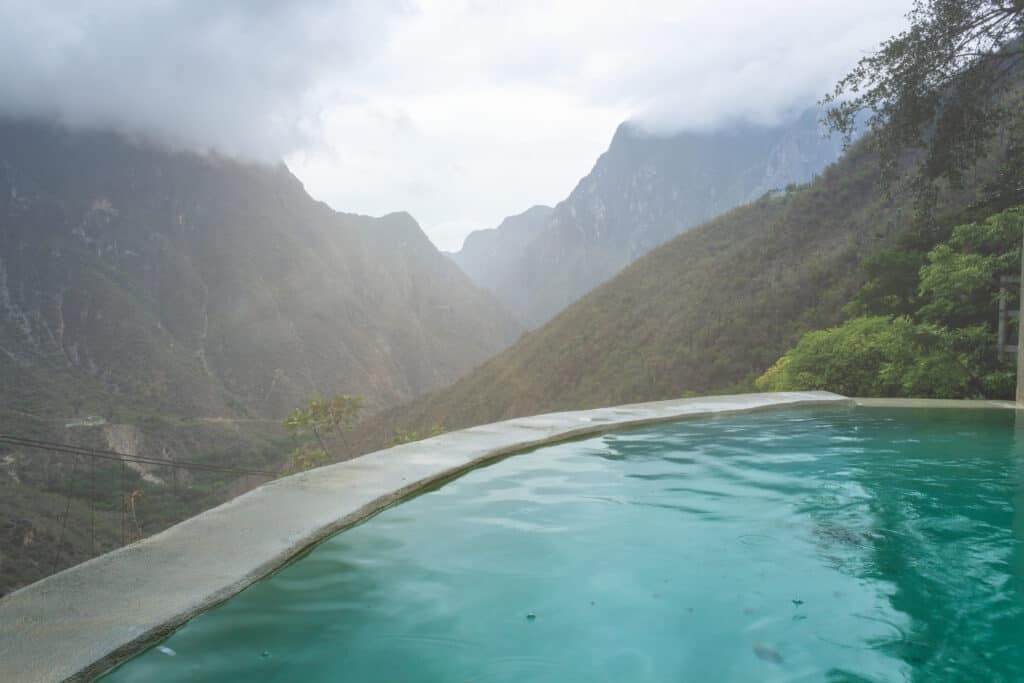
848	544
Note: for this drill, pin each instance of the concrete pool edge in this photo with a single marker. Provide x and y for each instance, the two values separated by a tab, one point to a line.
83	621
924	403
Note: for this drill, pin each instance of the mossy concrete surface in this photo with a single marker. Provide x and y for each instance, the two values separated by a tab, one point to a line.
80	622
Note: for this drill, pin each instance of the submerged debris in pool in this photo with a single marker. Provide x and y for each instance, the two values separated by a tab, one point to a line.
797	601
766	653
830	535
265	654
530	616
167	651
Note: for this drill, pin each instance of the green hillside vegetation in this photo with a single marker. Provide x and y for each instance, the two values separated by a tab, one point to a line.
136	278
187	303
35	542
57	509
926	331
712	309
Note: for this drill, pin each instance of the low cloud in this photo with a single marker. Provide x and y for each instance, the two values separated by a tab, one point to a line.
246	77
691	64
460	112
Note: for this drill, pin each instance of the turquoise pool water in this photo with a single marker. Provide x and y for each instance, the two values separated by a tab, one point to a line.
838	545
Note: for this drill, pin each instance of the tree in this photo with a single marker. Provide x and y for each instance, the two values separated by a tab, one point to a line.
892	283
959	283
945	86
320	418
875	356
937	342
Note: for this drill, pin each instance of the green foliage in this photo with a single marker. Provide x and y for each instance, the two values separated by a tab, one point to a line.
892	283
944	86
873	356
944	349
306	457
959	284
409	435
320	419
717	304
322	416
40	486
998	235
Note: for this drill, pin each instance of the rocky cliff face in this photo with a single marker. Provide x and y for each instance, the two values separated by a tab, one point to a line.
484	254
643	191
198	285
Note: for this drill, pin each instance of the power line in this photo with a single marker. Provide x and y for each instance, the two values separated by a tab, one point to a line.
53	446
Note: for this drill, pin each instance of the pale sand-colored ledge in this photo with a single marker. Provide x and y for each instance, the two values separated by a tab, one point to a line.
931	403
82	621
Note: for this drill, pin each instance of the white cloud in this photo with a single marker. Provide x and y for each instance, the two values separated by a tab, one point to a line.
458	112
241	76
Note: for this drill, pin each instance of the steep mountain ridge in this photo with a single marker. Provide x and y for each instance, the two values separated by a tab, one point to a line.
484	254
706	312
198	285
643	191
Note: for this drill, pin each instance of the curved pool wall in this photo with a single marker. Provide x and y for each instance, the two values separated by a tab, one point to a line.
84	620
825	544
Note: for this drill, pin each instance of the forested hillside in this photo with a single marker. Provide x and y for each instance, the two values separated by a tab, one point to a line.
709	311
926	322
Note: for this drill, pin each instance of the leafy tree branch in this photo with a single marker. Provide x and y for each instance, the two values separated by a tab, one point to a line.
944	86
321	418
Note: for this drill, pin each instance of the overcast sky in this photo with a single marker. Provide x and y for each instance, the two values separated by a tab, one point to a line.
459	112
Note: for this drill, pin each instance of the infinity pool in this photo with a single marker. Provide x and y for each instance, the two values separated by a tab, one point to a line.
830	545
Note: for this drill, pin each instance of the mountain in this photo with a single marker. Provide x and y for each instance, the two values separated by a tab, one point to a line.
706	312
484	256
174	283
175	305
643	191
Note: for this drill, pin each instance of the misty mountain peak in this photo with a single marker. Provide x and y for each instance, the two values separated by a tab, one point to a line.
645	189
196	284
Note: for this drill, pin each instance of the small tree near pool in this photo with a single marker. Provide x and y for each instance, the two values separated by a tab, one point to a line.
317	422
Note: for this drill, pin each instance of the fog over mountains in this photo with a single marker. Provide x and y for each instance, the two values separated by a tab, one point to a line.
198	285
644	190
